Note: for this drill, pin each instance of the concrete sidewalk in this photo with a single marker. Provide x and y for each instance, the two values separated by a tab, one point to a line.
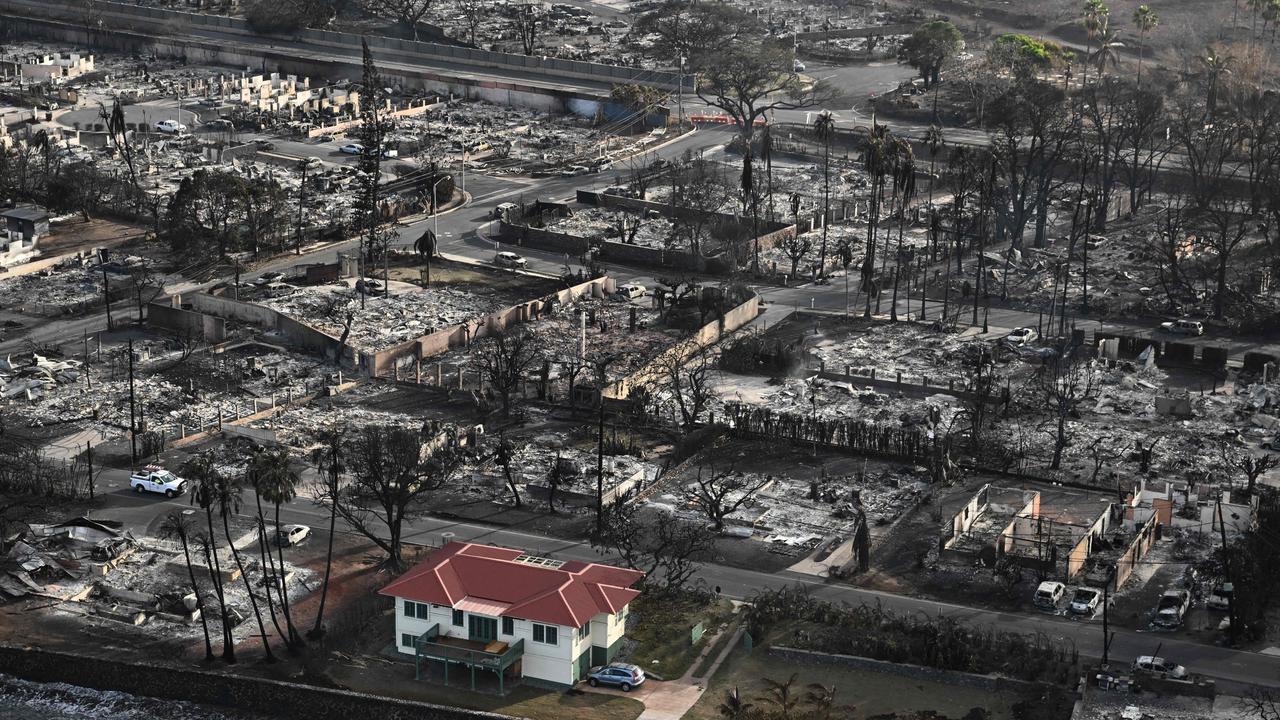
671	699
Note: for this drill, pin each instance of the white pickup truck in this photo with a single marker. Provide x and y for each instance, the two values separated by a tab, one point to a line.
157	480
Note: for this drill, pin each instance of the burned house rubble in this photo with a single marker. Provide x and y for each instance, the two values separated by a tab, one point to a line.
722	324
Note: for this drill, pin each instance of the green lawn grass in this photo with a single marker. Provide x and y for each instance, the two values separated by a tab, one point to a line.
870	693
663	629
525	701
726	636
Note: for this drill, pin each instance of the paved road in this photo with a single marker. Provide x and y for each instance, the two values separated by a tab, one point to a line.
458	235
1234	669
344	58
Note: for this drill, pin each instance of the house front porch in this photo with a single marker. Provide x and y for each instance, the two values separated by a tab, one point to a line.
494	656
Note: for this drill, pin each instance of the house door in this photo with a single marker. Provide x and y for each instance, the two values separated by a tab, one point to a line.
482	629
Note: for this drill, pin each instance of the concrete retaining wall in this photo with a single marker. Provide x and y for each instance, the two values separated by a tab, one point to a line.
278	699
990	683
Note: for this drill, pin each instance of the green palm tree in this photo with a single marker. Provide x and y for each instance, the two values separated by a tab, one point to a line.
734	707
1145	19
204	477
822	698
825	128
1108	47
275	481
781	695
177	526
1095	14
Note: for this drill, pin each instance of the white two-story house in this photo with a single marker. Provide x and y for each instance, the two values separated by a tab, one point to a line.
470	607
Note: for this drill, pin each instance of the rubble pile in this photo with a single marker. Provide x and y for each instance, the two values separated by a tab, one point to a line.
299	426
410	312
534	462
501	139
832	400
75	280
617	226
890	348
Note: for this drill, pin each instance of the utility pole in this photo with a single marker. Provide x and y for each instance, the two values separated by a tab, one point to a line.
133	428
1226	568
88	446
302	194
1106	618
106	287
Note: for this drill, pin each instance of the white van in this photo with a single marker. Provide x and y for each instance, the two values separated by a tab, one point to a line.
500	212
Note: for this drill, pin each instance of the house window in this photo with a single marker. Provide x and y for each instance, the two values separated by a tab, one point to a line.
457	618
406	639
508	626
584	630
546	634
416	609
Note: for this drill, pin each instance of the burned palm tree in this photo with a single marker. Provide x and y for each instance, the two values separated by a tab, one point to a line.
825	128
204	476
274	480
328	460
178	526
228	496
876	162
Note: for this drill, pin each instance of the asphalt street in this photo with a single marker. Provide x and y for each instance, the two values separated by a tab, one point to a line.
462	232
1234	669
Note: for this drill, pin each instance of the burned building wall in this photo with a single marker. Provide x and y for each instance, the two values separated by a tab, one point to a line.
383	363
963	520
1080	553
1137	550
187	323
706	335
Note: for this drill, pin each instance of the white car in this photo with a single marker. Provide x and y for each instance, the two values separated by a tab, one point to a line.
1049	594
1085	601
351	149
156	479
797	66
509	259
170	126
1172	608
1022	336
631	291
1183	327
292	534
1159	665
268	278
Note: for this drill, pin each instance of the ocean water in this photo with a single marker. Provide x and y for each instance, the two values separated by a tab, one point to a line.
23	700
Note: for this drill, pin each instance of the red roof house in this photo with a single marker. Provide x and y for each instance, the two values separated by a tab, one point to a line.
561	609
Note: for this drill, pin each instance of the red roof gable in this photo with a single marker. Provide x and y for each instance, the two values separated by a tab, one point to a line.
569	595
